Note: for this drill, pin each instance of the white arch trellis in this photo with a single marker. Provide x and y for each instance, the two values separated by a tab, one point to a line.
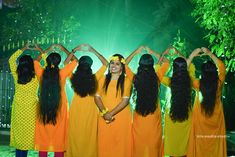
42	40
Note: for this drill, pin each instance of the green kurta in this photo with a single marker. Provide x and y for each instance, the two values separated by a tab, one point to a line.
23	115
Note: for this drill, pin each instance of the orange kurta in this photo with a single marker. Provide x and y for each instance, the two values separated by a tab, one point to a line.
83	119
208	136
114	139
147	131
53	137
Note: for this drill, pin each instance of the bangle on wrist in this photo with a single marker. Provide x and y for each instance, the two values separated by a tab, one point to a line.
43	55
104	111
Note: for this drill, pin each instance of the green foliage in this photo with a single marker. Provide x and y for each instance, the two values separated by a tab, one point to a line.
180	44
34	20
217	17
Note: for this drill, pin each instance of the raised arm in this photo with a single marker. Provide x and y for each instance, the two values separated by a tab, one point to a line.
130	57
178	53
44	55
163	55
14	56
210	54
62	48
192	55
129	72
49	49
220	65
39	49
95	52
37	66
70	56
152	52
161	69
77	48
26	47
192	69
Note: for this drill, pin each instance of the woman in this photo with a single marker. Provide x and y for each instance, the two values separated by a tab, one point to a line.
178	110
112	98
23	115
52	120
83	114
208	126
147	126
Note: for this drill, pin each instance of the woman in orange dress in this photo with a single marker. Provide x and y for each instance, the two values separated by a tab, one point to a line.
83	113
112	99
208	136
147	121
52	120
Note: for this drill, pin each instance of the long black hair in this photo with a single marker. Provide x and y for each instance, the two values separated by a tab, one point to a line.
25	69
83	81
146	86
121	79
180	91
208	87
50	90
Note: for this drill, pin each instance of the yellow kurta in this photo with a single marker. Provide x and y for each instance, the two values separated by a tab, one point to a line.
51	137
208	136
176	134
147	131
83	119
115	139
23	115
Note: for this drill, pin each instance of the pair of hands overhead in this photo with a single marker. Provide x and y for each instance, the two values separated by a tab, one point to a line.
30	46
53	47
200	52
83	48
144	48
150	51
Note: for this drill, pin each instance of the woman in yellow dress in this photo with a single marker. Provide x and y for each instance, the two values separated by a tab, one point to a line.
52	120
178	112
23	115
83	113
112	99
208	136
147	121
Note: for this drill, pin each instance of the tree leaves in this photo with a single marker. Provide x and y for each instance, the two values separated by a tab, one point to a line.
36	20
218	18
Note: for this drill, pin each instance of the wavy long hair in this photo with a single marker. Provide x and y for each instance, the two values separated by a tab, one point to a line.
121	79
208	87
83	80
50	90
146	86
25	69
180	91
